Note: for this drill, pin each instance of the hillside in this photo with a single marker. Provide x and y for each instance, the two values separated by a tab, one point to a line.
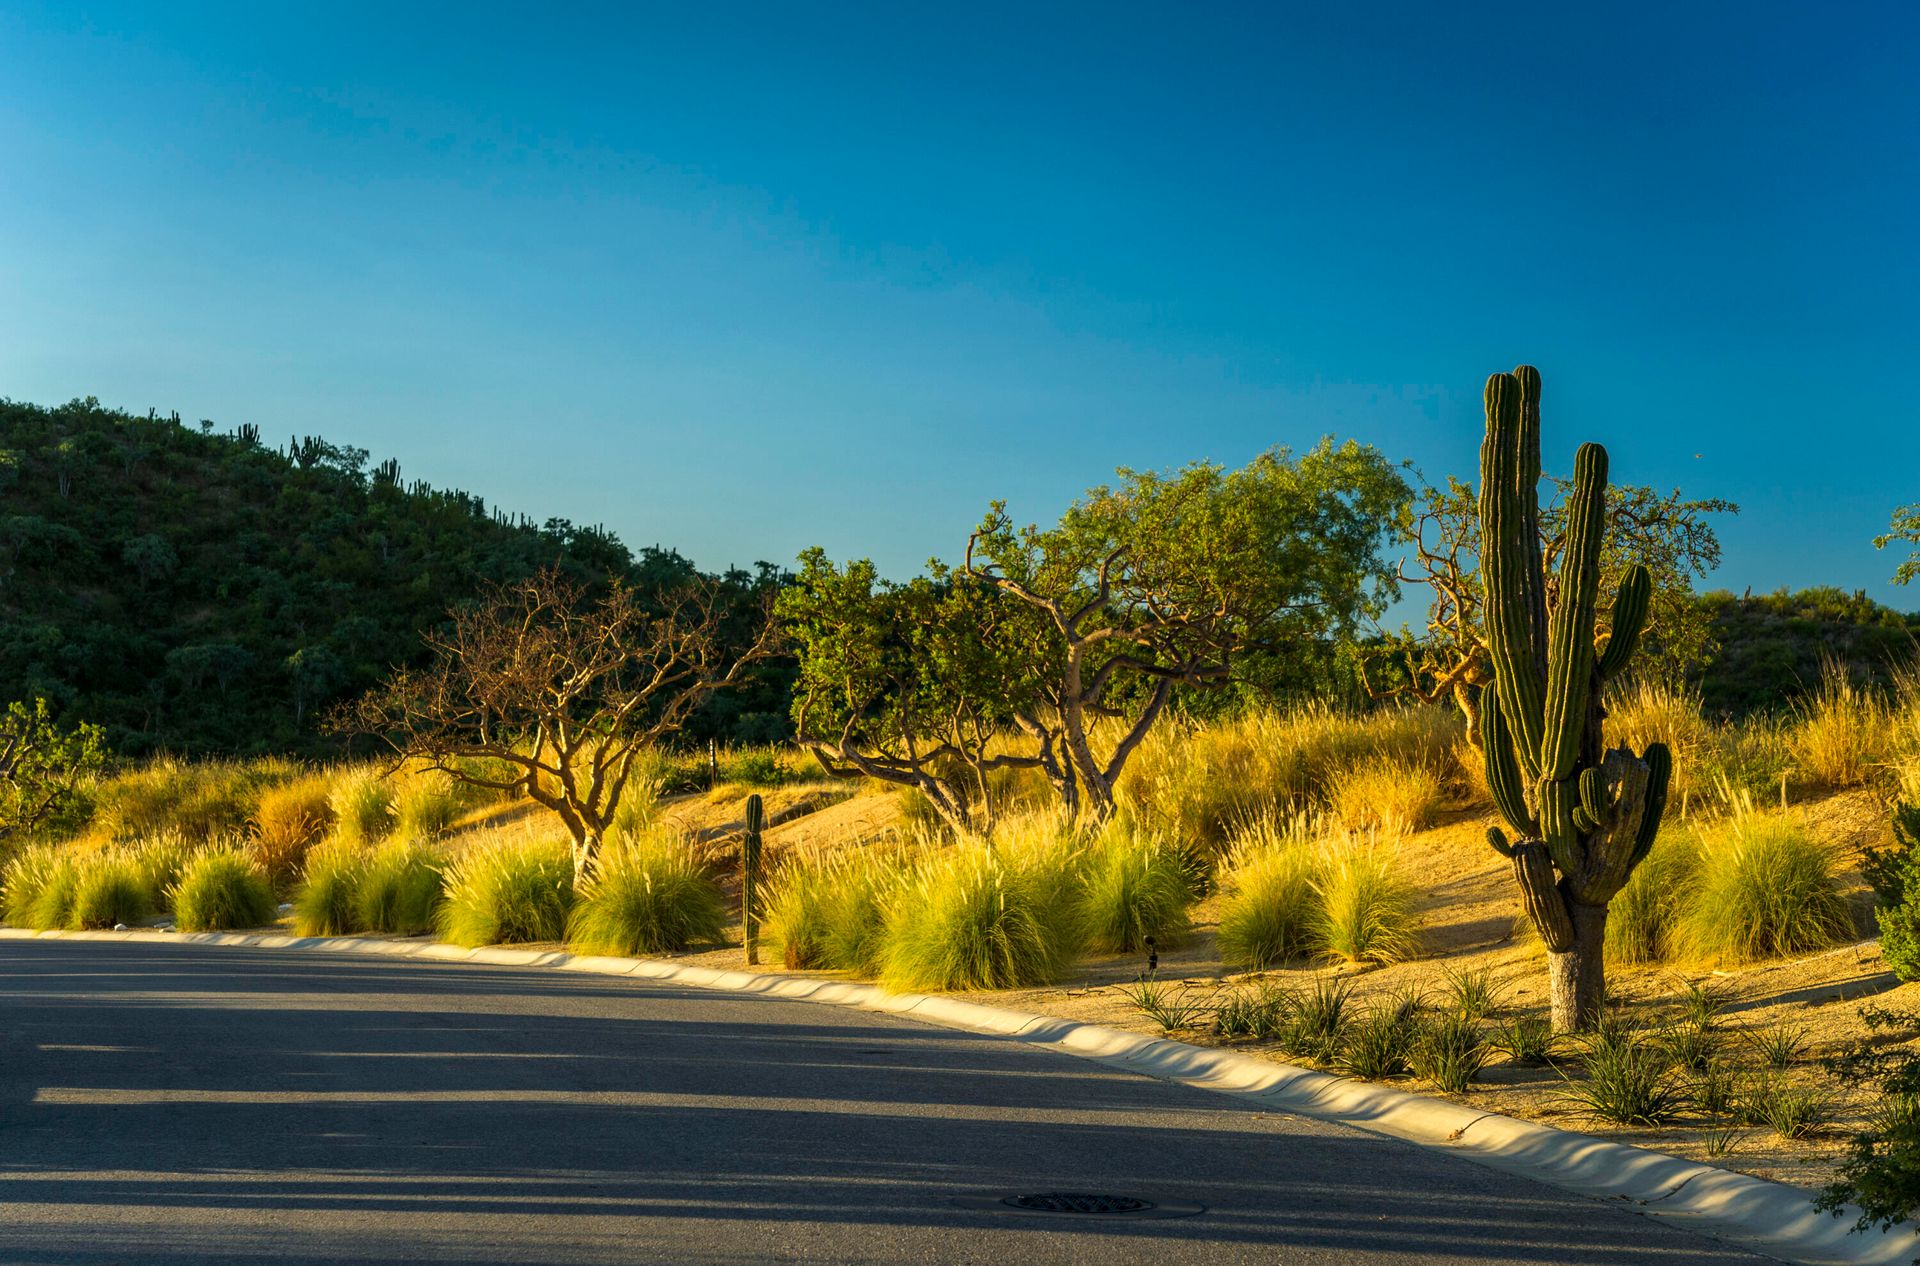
202	592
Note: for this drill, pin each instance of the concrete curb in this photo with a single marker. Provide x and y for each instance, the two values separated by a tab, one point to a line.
1767	1217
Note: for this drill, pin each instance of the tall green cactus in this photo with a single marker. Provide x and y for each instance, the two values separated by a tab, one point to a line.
1583	817
750	878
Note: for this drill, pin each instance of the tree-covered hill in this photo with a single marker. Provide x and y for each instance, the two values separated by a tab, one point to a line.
1772	647
197	591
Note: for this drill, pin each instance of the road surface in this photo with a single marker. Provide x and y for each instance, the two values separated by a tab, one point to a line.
193	1105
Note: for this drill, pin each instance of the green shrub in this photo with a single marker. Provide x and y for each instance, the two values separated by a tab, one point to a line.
1894	873
970	917
34	872
1643	920
1471	992
1267	914
288	821
1367	908
755	767
1449	1053
427	802
518	890
1171	1006
853	910
159	862
793	915
1527	1039
399	886
1881	1172
1629	1080
362	803
324	904
1765	888
648	896
1262	1012
1134	886
220	889
109	890
200	800
1317	1022
1378	1044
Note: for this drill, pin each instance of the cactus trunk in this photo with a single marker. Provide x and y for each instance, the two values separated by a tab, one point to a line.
1583	816
750	879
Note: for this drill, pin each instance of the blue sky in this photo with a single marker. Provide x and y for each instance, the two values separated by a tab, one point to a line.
743	279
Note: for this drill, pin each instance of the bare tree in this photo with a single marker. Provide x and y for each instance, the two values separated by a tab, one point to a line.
541	691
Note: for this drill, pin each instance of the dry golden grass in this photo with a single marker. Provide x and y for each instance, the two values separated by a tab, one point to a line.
1392	795
1843	734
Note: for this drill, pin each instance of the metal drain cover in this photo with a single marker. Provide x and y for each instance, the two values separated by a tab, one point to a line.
1081	1204
1078	1202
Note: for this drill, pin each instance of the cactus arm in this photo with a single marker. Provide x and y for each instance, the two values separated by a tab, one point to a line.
1533	585
1629	620
1570	660
1533	871
1498	838
1510	552
750	878
1503	774
1659	760
1593	794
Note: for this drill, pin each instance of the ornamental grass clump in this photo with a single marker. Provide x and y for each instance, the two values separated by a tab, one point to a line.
288	821
974	917
324	903
1134	886
362	804
108	891
1842	734
399	886
1386	793
1267	915
159	861
509	891
1367	908
1765	889
221	889
648	896
793	912
1643	922
30	876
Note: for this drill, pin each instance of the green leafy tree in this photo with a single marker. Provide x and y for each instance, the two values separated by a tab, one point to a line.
1905	528
1165	581
1669	535
913	683
41	764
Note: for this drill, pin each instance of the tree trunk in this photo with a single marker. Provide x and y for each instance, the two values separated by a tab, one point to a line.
1577	977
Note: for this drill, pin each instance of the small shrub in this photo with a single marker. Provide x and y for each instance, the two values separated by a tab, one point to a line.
648	897
1367	911
1471	992
1715	1092
1378	1044
1643	920
1703	1003
1450	1053
1386	794
1881	1172
1789	1109
399	887
1766	888
756	767
509	891
1171	1006
1317	1027
1261	1013
1267	916
159	862
219	890
1894	874
853	911
324	904
970	917
362	804
57	886
1527	1039
1689	1046
110	890
289	820
30	873
1629	1080
1778	1047
1134	886
200	800
427	802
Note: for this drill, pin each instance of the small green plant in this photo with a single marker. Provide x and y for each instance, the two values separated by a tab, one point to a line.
1894	874
1881	1173
1718	1138
648	897
39	886
1526	1039
1779	1046
793	912
1367	908
1378	1044
1171	1006
974	917
323	905
1317	1027
1687	1046
1766	889
1260	1013
756	767
1790	1109
519	890
399	887
159	862
220	889
1703	1003
1132	887
1450	1053
1267	916
109	891
1471	992
1629	1080
362	804
1715	1091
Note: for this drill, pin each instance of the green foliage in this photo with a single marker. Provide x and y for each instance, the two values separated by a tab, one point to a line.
1778	1047
1526	1039
1904	529
42	765
362	804
159	862
39	887
1894	873
1172	1006
325	903
399	887
1881	1172
519	890
1449	1053
1260	1012
1134	885
1269	907
1379	1044
1766	888
793	911
198	592
648	896
1471	992
1367	908
970	917
110	890
1790	1109
196	800
220	889
1629	1079
1317	1020
1643	921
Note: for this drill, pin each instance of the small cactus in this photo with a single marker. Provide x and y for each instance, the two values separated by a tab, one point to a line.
1584	817
750	878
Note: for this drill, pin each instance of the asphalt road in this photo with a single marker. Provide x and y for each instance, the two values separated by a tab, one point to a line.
186	1104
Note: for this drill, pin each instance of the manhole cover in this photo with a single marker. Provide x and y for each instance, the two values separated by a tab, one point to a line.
1077	1202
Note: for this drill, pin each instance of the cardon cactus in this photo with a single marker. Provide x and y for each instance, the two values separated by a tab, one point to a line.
1583	816
750	878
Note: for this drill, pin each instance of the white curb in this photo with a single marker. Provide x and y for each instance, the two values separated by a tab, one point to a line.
1767	1217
